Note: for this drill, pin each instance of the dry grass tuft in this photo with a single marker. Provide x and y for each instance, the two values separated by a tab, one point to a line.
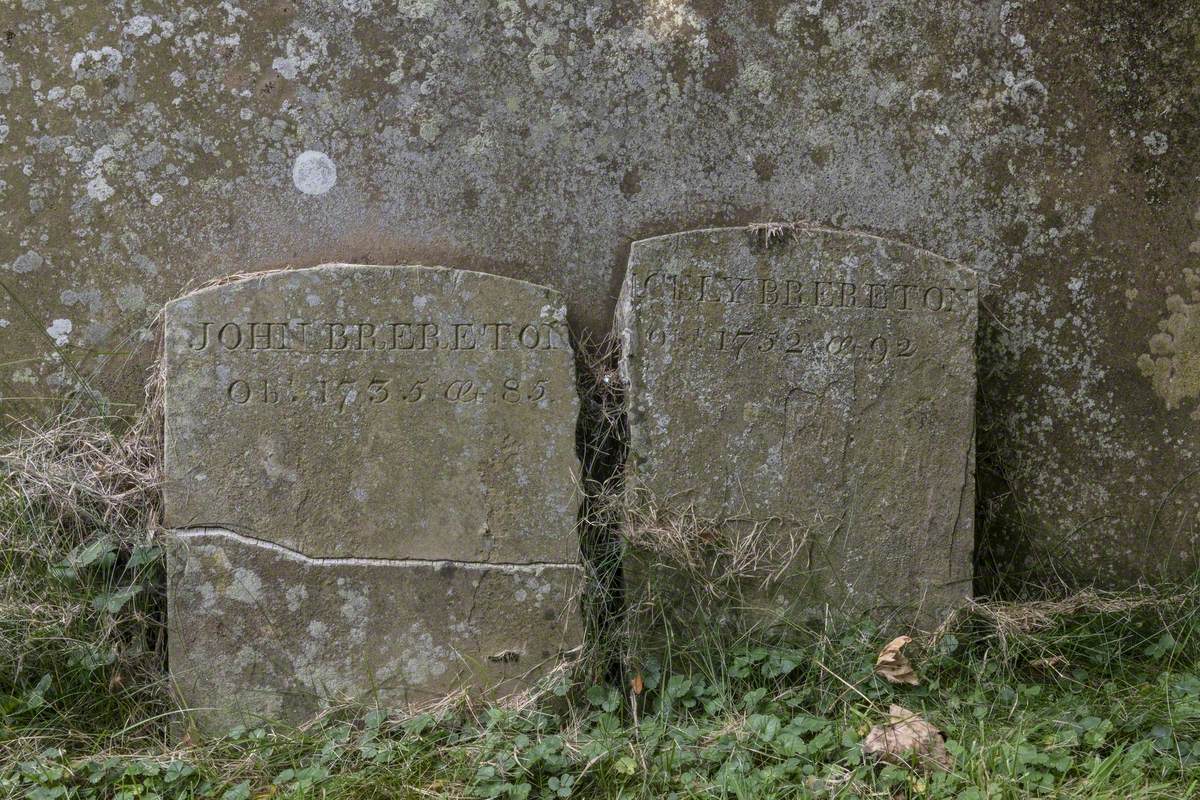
85	475
765	234
1015	618
713	555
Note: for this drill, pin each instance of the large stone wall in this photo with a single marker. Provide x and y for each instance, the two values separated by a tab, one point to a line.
1050	146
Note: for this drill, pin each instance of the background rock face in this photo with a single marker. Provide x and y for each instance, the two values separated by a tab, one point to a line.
370	474
1049	145
816	383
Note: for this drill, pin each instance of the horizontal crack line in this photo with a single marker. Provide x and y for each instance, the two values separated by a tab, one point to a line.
250	541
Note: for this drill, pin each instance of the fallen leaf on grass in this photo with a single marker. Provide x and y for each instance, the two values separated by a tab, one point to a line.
894	665
1050	664
908	741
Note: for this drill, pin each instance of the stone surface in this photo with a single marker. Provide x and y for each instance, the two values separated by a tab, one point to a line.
819	384
402	434
262	633
1050	144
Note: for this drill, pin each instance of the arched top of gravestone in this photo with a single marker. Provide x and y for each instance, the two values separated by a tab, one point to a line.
779	239
366	272
356	411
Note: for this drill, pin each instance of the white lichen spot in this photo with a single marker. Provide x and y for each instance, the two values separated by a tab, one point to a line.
60	331
294	596
354	610
924	100
98	189
304	51
758	80
314	172
421	658
131	297
430	130
232	12
139	26
416	9
246	586
1156	142
109	58
286	67
26	262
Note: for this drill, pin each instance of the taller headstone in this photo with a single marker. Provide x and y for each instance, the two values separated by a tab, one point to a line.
371	486
818	388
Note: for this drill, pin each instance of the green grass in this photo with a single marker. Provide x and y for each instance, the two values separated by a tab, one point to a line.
1084	696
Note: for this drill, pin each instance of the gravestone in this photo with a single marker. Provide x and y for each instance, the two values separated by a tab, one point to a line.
370	486
805	397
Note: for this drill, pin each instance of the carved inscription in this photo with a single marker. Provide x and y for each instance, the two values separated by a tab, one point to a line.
341	394
811	293
369	387
300	336
801	336
803	340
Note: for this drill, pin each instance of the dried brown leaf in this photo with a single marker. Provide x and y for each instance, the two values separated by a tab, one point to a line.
908	741
893	665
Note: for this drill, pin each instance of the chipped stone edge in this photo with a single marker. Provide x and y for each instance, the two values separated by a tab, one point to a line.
535	567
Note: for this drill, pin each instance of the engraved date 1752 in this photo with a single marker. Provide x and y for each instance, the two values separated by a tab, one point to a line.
871	348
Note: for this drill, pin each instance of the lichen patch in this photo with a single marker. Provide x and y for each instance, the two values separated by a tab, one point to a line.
1173	363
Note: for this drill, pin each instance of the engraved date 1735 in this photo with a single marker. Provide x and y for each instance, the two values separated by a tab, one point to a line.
340	394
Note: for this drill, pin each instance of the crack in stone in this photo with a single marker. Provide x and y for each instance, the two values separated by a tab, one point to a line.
530	567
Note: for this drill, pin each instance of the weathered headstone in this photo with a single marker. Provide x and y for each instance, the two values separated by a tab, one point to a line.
370	481
807	396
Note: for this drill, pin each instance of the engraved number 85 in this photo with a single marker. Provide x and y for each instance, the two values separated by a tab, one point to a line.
512	391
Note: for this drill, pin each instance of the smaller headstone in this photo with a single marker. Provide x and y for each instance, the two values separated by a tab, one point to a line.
370	488
804	399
